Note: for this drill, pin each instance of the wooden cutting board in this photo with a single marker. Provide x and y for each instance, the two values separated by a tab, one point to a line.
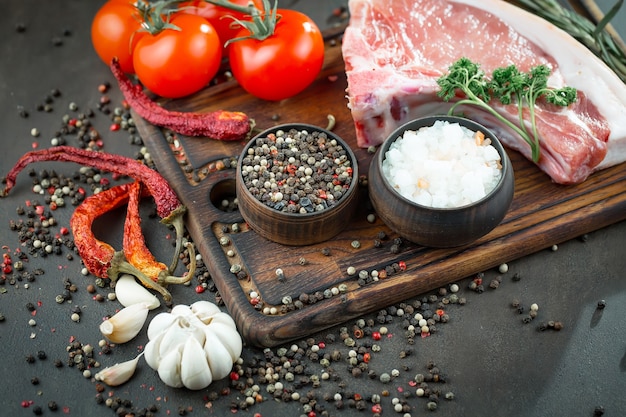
542	214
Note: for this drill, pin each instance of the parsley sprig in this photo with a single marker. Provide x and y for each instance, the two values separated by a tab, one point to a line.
509	85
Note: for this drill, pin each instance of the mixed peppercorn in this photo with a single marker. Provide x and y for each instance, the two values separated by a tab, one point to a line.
297	171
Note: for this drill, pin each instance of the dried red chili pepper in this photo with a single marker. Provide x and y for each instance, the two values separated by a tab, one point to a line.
136	259
96	254
219	124
153	274
169	207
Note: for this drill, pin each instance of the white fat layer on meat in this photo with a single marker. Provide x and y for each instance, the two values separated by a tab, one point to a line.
585	72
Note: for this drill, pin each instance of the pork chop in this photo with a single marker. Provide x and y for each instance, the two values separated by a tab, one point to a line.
395	50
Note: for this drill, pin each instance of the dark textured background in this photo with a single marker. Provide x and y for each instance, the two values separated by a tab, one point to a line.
495	365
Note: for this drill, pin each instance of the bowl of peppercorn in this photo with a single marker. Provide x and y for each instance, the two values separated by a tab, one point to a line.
297	184
441	181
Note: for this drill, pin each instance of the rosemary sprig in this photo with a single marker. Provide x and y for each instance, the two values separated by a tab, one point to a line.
593	36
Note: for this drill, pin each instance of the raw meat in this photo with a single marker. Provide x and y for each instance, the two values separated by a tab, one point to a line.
395	50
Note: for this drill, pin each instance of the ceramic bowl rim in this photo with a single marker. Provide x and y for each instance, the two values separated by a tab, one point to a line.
309	127
397	133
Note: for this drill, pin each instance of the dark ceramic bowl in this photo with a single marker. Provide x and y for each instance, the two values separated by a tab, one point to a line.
297	228
440	227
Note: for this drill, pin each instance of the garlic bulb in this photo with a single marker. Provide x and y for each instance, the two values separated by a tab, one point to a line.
192	346
126	323
128	292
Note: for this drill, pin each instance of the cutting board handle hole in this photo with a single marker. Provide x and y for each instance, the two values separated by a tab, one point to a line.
223	195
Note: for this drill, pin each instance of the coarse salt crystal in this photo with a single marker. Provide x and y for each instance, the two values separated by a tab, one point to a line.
442	166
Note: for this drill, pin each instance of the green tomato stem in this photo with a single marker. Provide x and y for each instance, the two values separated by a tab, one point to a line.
152	14
233	6
262	23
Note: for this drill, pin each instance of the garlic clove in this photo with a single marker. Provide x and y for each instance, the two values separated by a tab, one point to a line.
160	323
119	373
151	351
223	318
192	327
128	292
125	324
217	354
194	368
227	336
181	310
204	310
172	338
169	368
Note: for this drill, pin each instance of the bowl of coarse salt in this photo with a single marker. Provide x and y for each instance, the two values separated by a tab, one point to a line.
441	181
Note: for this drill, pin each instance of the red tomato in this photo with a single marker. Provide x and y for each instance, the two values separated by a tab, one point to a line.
114	33
283	64
176	63
215	15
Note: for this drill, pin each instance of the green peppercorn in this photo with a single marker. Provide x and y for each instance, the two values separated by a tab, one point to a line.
431	406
